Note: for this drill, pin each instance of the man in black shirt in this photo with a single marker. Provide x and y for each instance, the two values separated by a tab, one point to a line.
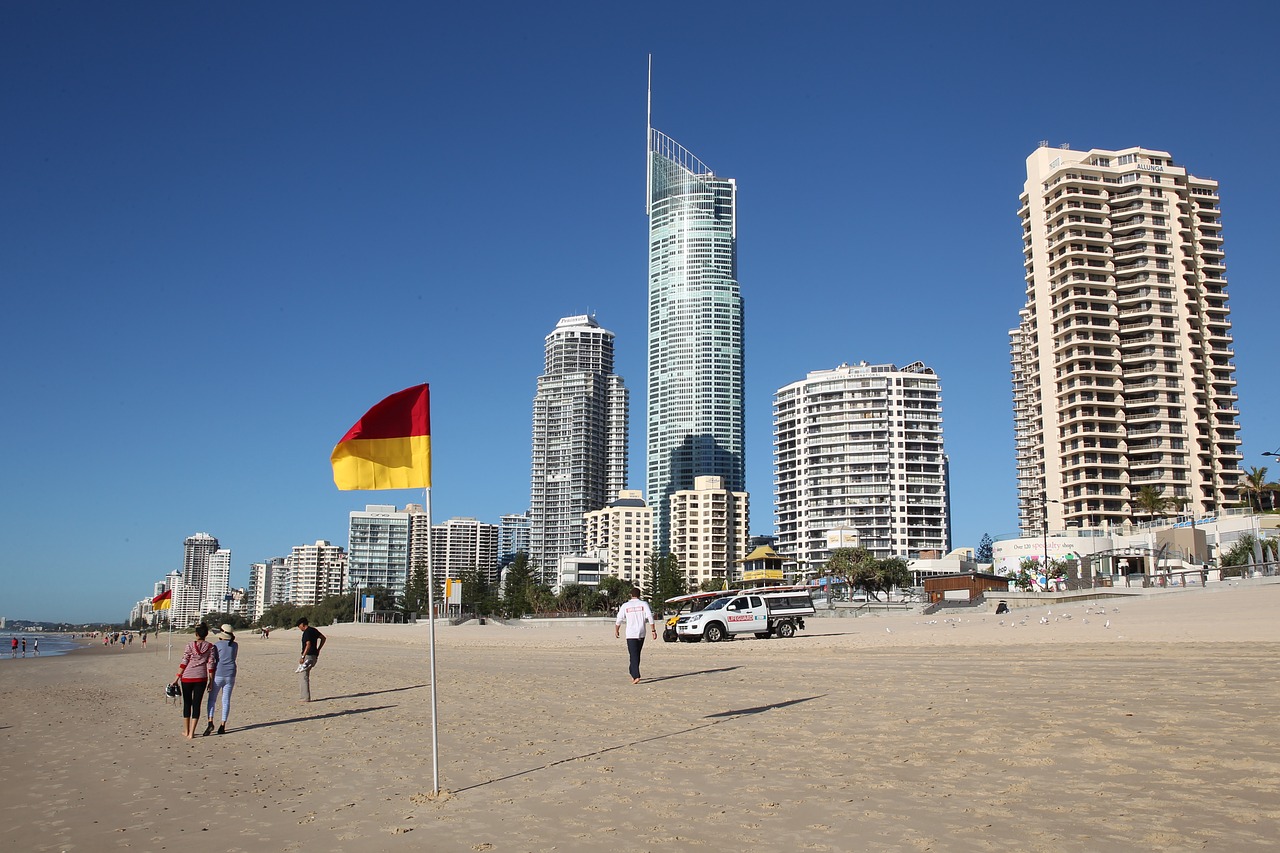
312	643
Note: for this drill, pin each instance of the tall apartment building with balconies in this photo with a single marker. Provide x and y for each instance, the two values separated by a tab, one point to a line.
579	440
315	572
859	448
266	586
1122	361
708	529
513	537
217	583
623	533
378	549
464	545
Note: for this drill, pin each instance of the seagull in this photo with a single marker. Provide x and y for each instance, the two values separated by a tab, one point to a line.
887	631
1044	620
1108	625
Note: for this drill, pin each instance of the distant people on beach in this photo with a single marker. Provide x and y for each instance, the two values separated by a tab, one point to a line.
13	647
224	680
144	641
195	672
636	614
312	642
35	643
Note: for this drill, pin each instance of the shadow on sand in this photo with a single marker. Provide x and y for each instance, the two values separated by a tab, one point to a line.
715	720
687	674
369	693
308	719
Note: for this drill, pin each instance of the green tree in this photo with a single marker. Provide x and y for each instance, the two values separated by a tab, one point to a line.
891	572
855	566
985	552
613	591
711	585
516	587
1255	487
283	615
215	620
541	598
575	597
1150	502
415	591
667	580
1028	568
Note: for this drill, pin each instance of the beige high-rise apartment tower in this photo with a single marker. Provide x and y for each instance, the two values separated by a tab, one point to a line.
623	532
708	526
1123	368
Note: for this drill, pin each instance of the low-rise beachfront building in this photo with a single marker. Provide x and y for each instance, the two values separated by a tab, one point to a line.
1119	553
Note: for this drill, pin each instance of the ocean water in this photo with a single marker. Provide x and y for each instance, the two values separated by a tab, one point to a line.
51	645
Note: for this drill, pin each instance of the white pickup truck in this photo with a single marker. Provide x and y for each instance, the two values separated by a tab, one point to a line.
765	613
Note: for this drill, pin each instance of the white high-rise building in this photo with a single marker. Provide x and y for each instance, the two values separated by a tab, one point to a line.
858	457
708	528
419	537
217	583
463	545
315	572
623	533
513	537
378	551
266	586
1123	371
189	596
579	439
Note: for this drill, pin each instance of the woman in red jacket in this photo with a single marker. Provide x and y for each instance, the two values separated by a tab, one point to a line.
196	673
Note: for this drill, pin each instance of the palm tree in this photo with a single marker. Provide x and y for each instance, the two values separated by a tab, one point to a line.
1255	483
1150	502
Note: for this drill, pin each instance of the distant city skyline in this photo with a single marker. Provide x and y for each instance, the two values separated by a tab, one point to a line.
224	240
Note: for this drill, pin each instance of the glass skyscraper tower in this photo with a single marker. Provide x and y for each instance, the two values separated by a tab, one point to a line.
695	416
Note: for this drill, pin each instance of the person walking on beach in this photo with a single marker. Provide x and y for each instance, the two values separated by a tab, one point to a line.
24	647
225	650
13	647
36	647
312	642
637	615
196	672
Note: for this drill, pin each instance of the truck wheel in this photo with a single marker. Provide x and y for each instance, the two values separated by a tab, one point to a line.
786	630
713	632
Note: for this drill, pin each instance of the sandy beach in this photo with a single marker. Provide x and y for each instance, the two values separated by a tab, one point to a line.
1094	726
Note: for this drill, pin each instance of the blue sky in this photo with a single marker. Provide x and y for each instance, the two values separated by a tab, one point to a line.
228	229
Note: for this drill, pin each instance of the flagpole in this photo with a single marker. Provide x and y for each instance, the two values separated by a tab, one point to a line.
431	621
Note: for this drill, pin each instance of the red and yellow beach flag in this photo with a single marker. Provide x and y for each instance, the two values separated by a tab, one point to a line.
388	448
163	601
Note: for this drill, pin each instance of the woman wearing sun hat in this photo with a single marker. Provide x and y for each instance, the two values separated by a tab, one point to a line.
225	678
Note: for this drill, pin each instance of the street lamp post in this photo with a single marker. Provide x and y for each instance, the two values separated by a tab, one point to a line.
1275	454
1044	531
